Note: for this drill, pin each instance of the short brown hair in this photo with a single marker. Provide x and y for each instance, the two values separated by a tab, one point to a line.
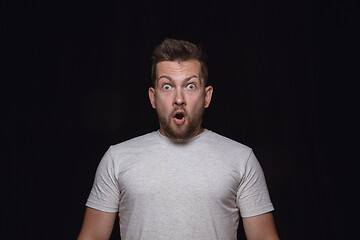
178	50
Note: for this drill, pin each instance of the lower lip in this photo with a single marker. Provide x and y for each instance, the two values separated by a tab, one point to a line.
179	121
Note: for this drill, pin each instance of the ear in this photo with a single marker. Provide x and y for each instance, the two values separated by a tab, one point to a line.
208	96
152	97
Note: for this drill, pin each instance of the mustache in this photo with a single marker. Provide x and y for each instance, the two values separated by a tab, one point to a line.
178	109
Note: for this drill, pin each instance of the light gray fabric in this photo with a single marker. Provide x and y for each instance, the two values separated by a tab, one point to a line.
168	190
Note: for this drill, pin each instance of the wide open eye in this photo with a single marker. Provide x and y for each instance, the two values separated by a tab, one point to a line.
191	86
166	87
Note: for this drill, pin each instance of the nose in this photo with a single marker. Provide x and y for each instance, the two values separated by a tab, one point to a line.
179	98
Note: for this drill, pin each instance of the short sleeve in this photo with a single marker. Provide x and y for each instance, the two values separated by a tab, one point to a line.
104	195
252	196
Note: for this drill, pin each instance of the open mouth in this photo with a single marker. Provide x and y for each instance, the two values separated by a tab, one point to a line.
179	118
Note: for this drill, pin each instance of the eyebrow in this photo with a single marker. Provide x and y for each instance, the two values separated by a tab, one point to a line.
186	79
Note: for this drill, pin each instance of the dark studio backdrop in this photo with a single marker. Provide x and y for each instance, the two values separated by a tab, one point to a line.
75	81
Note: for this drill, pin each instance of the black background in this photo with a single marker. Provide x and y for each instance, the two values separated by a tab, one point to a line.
75	79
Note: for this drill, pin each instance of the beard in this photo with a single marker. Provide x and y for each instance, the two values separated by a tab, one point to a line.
189	129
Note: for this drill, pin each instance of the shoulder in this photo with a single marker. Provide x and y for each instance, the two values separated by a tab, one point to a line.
225	143
228	152
122	155
134	144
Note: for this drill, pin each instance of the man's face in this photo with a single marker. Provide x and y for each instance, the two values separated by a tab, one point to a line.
180	98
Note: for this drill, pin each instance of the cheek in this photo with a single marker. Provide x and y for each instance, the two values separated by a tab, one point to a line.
162	104
197	103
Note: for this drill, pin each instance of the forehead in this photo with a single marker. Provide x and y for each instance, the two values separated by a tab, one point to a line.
177	68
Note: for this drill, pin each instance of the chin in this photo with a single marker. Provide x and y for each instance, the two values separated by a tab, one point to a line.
181	133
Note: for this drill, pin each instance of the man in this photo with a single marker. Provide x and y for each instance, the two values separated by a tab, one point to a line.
183	181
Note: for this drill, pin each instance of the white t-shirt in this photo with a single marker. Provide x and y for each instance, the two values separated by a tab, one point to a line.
168	190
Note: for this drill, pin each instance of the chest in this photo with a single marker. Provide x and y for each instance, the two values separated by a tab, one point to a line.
178	178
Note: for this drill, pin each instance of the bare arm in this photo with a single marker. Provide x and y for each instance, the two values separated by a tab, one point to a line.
97	225
260	227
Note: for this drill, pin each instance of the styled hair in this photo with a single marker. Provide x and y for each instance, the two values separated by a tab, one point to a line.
178	50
